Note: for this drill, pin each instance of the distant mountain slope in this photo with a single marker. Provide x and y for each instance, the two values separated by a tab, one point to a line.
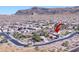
39	10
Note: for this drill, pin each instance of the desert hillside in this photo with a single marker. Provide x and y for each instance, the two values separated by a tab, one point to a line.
36	13
48	11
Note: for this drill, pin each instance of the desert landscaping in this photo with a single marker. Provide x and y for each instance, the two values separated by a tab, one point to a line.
33	30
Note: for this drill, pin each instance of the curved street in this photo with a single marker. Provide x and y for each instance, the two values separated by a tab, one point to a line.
18	43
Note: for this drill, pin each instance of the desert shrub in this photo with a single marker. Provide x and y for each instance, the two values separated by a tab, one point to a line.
65	44
65	50
36	48
36	37
46	34
19	35
4	41
60	49
78	27
66	33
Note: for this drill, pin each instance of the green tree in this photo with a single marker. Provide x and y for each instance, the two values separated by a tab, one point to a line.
36	37
19	35
78	27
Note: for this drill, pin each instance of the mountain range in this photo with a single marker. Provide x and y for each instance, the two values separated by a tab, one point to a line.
40	10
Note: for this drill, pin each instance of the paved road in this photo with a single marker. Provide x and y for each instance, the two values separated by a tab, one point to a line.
18	43
12	40
59	39
76	49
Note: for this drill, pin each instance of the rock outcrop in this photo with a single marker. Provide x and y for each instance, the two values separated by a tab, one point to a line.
40	10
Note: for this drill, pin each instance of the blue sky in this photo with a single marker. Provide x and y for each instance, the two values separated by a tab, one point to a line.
13	9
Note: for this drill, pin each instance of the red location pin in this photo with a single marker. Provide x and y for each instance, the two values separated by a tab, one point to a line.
57	29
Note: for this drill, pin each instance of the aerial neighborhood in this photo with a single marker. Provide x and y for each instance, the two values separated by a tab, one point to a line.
40	29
